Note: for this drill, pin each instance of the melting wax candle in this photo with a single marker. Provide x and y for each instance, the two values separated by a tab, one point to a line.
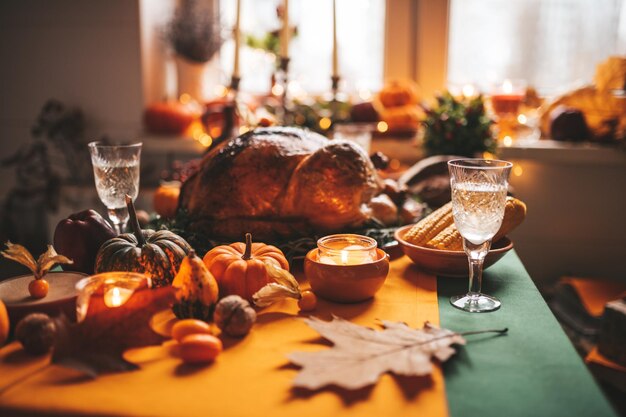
346	249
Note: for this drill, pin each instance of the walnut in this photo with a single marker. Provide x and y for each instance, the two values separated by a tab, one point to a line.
234	316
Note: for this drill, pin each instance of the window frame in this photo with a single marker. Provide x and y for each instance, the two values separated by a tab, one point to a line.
416	42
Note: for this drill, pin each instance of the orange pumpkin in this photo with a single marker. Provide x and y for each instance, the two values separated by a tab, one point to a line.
397	93
4	323
169	118
165	200
239	268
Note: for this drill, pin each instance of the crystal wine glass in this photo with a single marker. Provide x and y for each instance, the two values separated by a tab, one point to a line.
479	188
116	172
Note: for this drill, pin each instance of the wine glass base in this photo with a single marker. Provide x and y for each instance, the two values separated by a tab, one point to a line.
475	303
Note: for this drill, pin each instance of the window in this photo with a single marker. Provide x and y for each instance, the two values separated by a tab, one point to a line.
360	34
554	45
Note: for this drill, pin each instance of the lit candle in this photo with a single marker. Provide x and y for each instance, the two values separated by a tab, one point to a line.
236	38
508	98
469	91
347	249
285	33
335	54
116	296
108	289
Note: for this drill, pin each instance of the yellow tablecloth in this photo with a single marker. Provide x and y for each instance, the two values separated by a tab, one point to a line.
252	376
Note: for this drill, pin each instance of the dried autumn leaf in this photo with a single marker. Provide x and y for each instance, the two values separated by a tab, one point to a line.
95	346
360	355
20	254
285	285
39	268
48	259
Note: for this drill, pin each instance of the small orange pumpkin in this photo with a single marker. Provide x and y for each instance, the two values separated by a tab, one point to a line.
397	93
239	268
165	200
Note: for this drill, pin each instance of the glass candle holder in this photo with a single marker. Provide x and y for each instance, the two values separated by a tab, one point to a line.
507	98
115	288
346	249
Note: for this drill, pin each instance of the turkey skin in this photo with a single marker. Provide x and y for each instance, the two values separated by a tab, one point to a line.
280	182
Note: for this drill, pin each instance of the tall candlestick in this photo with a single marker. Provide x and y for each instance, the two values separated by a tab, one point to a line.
335	55
285	32
236	38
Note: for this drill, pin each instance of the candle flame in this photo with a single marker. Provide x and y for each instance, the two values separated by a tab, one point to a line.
468	91
344	257
507	87
116	297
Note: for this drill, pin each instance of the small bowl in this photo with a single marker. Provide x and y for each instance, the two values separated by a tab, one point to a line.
60	299
346	283
447	262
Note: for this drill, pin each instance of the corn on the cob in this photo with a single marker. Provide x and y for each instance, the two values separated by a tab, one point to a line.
514	215
448	239
430	226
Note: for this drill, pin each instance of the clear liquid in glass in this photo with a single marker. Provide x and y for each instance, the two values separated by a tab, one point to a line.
478	209
116	179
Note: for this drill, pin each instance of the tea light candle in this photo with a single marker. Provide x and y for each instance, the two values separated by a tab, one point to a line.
116	296
346	249
508	97
113	289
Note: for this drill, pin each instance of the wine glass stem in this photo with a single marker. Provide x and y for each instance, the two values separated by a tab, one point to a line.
476	256
475	277
119	218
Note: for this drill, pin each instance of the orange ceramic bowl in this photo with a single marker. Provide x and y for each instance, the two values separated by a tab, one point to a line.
446	262
346	283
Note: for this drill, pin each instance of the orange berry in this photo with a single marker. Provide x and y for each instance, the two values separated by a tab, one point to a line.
38	288
308	301
200	348
188	327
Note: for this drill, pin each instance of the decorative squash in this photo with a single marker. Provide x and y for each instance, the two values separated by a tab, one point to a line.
196	290
165	200
239	268
156	254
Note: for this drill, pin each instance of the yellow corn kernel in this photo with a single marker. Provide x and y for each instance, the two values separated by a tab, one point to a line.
448	239
514	215
430	226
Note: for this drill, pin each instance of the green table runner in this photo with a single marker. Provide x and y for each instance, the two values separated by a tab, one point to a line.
532	371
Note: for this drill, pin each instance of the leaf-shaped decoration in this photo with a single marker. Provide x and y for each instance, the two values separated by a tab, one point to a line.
20	254
281	276
39	268
95	346
285	285
48	259
360	355
273	292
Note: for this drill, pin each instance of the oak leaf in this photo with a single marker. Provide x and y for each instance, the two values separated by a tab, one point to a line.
360	355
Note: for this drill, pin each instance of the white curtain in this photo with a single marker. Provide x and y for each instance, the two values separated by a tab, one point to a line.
552	44
360	32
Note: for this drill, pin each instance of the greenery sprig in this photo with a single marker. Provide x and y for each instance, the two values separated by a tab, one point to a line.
458	127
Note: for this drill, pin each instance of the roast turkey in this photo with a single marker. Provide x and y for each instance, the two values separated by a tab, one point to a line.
280	182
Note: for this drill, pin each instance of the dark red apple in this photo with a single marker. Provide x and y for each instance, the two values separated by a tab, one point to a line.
79	237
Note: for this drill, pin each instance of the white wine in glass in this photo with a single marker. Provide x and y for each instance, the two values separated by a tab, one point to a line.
116	173
479	188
